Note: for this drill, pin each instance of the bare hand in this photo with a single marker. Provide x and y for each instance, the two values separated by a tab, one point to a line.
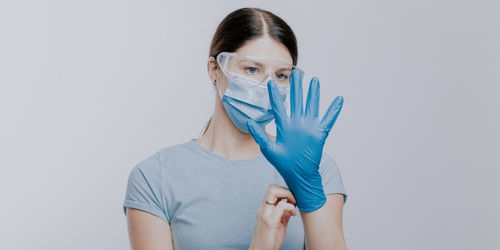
272	220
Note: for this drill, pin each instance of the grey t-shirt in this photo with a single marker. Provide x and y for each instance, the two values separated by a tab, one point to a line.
211	202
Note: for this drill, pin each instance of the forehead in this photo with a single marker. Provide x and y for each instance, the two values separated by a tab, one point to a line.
266	47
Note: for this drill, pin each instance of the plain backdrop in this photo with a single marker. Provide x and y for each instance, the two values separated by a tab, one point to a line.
90	88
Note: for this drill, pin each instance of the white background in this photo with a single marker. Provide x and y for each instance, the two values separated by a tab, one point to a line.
90	88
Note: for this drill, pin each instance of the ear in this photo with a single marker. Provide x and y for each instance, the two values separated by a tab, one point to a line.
213	69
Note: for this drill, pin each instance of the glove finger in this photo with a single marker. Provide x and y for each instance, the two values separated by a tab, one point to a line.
258	134
296	102
332	113
276	103
312	103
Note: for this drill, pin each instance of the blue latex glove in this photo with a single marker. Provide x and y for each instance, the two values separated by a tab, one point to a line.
298	148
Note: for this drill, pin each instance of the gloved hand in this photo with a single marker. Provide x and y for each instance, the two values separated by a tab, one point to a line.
296	153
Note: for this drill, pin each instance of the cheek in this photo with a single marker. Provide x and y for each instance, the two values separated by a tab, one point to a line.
223	83
221	87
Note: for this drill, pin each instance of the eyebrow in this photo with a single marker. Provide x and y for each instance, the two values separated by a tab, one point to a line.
261	65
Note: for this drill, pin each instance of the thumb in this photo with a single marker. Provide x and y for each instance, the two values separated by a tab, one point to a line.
258	134
285	219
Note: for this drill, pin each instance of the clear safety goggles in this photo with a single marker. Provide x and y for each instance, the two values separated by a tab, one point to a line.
257	70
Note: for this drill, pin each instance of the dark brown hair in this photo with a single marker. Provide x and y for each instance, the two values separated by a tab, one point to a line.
246	24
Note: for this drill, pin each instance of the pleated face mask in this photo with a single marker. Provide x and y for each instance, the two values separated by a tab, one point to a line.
246	96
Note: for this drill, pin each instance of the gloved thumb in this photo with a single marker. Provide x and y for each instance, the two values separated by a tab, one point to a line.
258	134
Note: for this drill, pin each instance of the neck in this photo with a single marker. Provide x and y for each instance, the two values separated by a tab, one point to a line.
222	137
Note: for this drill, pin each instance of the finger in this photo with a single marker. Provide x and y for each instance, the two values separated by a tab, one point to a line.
277	103
292	212
275	192
296	94
258	134
312	102
281	209
285	218
332	113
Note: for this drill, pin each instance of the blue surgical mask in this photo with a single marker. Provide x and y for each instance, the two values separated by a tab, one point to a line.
243	100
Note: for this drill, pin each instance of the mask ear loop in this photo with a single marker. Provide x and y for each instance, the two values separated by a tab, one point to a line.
222	57
218	89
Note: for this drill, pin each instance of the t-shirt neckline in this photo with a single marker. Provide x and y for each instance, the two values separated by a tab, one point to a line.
195	145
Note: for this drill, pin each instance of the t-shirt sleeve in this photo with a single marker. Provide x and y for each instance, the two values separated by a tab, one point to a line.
331	176
144	188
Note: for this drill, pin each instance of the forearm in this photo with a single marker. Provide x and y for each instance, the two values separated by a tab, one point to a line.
323	227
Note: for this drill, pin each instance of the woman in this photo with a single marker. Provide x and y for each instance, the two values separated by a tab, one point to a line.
237	187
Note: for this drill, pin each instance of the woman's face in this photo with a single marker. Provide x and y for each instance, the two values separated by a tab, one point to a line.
261	47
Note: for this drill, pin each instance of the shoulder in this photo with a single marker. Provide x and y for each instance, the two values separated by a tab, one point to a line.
328	165
153	163
175	153
174	150
327	159
331	176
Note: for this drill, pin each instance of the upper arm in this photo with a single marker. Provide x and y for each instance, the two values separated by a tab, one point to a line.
323	227
148	232
335	205
145	207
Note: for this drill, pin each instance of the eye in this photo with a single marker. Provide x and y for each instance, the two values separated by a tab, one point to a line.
251	69
281	76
